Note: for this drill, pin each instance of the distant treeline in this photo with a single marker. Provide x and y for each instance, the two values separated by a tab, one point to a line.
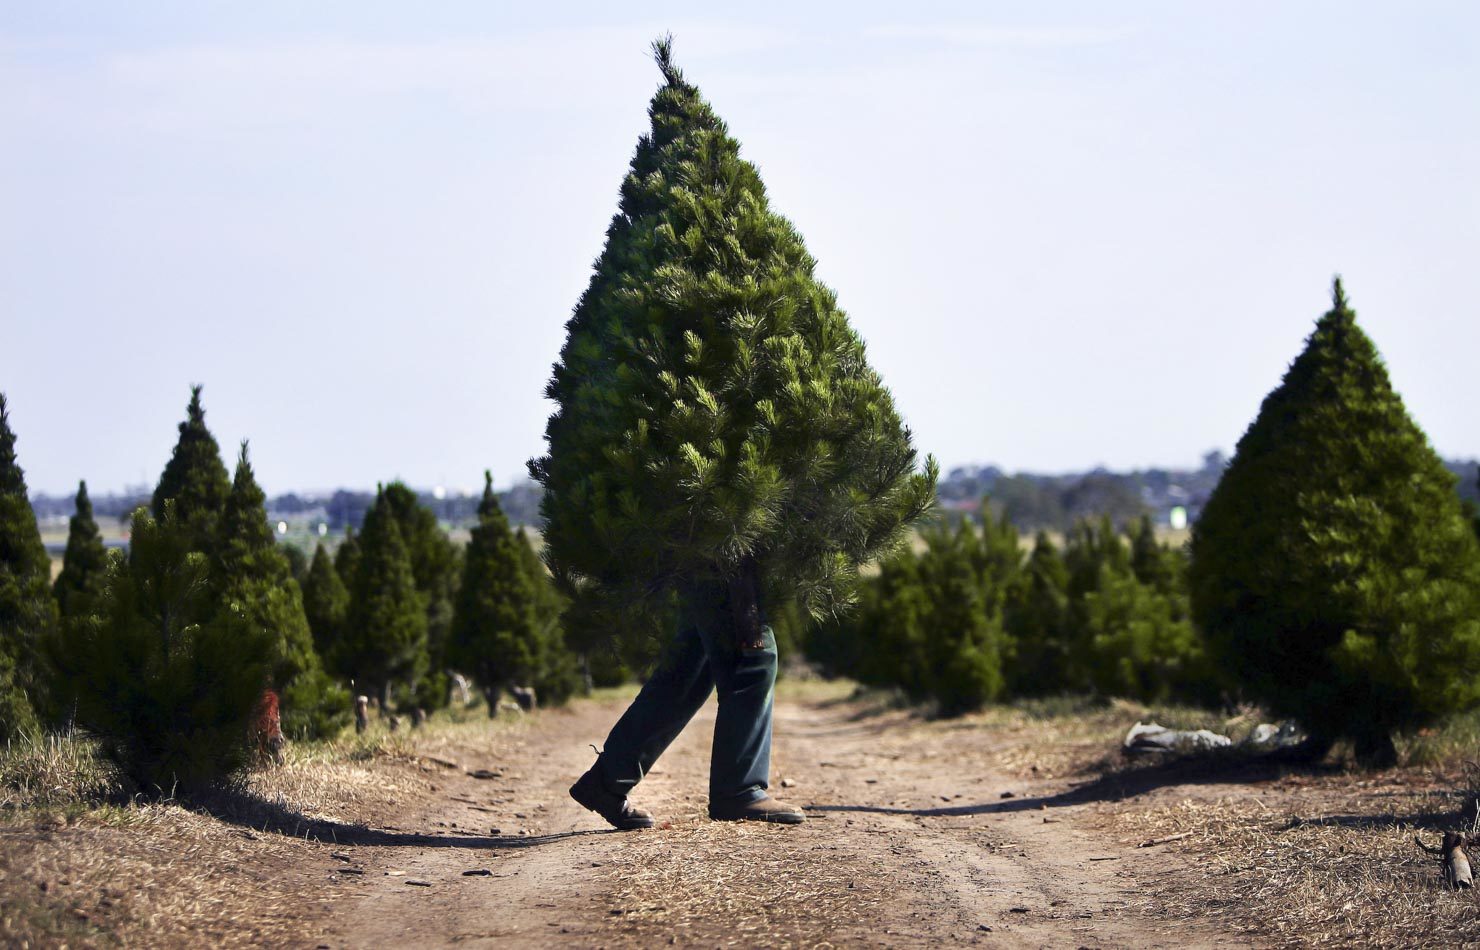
1030	501
342	509
1058	502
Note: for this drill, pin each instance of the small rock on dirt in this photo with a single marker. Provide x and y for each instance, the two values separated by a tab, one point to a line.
788	782
1009	795
418	882
478	872
483	774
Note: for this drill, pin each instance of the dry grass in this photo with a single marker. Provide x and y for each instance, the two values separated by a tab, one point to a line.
1312	876
83	865
733	884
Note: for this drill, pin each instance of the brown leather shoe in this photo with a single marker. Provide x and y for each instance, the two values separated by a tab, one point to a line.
590	793
762	809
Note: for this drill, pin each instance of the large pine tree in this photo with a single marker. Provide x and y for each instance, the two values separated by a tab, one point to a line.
496	624
716	414
85	562
195	479
1332	570
28	613
252	577
385	639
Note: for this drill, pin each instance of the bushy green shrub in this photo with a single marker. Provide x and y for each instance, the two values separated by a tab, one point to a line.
166	680
1332	569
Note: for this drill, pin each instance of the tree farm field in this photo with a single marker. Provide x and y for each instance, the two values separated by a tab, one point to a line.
1019	825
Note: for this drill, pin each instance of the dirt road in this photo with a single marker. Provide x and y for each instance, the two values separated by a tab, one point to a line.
916	836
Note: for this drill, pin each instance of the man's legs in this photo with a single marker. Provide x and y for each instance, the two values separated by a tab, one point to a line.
740	761
668	700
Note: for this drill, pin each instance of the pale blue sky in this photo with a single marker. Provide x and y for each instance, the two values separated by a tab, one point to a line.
1072	234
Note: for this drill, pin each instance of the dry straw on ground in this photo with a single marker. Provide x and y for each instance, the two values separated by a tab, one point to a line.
765	891
1328	866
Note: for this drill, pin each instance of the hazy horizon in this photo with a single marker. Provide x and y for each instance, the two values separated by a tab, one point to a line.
1072	235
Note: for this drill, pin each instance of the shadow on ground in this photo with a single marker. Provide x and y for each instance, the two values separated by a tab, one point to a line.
255	814
1129	783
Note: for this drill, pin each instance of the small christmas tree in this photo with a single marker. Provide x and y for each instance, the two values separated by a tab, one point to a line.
194	478
1036	619
1332	570
347	557
253	578
167	680
326	604
385	640
716	415
434	565
85	562
28	613
496	628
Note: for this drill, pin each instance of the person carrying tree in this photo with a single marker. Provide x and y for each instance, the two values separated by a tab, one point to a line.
720	444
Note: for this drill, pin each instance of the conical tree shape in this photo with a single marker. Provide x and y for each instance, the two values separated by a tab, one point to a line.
194	478
85	562
326	604
167	678
716	415
559	675
28	613
1332	570
347	557
1036	620
434	564
253	578
495	624
385	641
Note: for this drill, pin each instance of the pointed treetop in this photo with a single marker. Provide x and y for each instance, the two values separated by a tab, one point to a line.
1338	294
12	479
84	503
663	54
195	410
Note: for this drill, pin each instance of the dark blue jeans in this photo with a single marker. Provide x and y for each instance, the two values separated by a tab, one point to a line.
702	657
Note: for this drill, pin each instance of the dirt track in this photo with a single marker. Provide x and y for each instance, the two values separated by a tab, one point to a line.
911	840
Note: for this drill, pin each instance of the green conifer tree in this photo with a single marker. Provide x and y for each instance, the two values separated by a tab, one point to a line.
194	478
167	679
326	604
385	640
1036	620
559	674
252	577
297	562
347	557
85	562
1332	571
434	564
496	625
28	613
1154	564
716	415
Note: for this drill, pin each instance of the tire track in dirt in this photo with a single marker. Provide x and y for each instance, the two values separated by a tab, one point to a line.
909	843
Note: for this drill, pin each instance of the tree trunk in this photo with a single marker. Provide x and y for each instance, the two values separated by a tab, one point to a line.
385	698
745	606
490	696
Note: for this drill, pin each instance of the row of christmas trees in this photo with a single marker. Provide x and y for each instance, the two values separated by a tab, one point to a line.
1333	577
970	619
163	654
